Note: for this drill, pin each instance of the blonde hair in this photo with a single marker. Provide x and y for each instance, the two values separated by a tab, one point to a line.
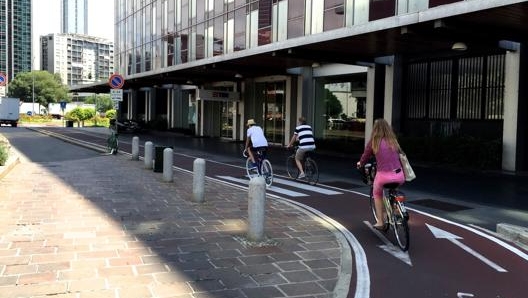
382	130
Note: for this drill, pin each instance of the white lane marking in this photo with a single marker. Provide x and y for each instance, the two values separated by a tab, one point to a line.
441	234
306	186
283	191
392	249
462	295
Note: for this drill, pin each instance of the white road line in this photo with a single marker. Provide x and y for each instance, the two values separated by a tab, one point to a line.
389	247
306	186
283	191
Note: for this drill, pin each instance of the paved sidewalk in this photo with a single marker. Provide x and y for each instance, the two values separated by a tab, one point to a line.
107	227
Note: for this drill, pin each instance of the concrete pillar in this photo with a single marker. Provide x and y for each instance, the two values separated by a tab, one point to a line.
256	208
511	108
135	148
167	164
149	154
199	180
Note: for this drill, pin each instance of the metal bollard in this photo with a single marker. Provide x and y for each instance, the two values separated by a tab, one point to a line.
149	147
167	164
135	148
256	208
199	180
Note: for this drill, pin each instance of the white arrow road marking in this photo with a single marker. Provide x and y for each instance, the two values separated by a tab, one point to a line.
283	191
441	234
462	295
306	186
389	247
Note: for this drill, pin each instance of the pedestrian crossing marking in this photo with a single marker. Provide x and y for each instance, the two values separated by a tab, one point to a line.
306	186
283	191
287	182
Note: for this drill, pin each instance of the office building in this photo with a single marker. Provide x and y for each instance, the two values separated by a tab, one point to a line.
74	16
15	37
435	69
79	59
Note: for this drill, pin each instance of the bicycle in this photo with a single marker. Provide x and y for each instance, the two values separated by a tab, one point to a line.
263	168
393	203
311	171
112	143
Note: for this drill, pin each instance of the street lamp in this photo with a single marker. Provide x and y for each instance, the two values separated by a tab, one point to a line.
33	94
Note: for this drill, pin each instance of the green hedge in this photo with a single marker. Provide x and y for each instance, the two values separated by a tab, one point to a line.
4	154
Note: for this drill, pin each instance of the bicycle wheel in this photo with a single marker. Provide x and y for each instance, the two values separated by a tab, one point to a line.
291	167
249	170
111	145
267	172
400	227
311	171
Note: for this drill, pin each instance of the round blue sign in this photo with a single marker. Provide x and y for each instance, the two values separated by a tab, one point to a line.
29	113
116	81
3	79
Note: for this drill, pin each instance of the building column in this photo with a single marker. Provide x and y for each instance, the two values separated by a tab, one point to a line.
511	108
132	104
369	105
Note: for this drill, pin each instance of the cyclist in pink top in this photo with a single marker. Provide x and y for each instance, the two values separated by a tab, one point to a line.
384	146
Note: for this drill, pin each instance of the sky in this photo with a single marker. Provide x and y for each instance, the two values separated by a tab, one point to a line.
46	20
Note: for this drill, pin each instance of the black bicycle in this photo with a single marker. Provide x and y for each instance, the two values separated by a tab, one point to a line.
393	202
311	171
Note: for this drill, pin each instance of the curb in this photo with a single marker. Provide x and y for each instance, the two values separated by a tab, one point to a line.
513	233
11	162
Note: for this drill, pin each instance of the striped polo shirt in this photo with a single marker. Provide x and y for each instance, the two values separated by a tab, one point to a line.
305	135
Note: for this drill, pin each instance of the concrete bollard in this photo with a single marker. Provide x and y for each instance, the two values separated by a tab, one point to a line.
149	147
199	180
256	208
167	164
135	148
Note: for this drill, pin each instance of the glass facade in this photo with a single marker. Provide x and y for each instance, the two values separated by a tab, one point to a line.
15	37
75	16
153	35
156	34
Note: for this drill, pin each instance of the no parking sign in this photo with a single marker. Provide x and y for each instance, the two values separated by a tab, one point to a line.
116	81
3	79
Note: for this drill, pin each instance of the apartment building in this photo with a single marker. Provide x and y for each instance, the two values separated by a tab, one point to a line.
79	59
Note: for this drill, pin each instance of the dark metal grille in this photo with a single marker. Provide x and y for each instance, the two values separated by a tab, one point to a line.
456	89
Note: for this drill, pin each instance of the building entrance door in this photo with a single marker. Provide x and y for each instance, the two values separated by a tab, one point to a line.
227	108
273	112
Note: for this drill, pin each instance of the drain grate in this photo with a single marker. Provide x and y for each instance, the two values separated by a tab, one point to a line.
435	204
343	184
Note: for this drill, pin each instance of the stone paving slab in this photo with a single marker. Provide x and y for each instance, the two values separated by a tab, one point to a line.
107	227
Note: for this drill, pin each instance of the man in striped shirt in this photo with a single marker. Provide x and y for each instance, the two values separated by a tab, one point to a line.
303	133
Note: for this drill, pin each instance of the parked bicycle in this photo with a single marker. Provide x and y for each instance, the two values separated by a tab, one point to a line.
263	167
112	143
393	203
311	171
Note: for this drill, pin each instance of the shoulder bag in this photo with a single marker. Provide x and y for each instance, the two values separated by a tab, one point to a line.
406	166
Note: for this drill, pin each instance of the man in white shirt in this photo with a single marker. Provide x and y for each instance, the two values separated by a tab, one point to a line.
255	135
303	133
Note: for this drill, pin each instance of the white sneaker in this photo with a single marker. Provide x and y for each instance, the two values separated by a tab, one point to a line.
301	176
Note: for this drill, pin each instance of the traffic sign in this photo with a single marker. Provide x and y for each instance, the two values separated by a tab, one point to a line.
116	81
63	105
116	94
3	79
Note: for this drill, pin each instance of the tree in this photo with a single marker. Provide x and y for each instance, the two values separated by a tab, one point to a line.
47	87
103	102
333	105
80	114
